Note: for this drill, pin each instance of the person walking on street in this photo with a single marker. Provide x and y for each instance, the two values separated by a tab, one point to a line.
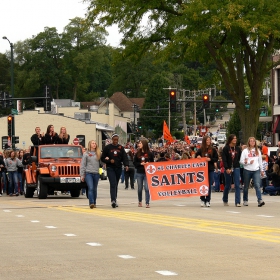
251	159
141	158
129	175
12	164
113	156
231	157
89	171
211	156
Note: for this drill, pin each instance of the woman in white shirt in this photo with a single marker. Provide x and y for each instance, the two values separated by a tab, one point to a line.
251	159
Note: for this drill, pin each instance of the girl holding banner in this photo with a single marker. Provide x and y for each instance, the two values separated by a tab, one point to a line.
142	156
210	154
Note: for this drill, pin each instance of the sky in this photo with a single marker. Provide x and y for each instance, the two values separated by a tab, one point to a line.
20	19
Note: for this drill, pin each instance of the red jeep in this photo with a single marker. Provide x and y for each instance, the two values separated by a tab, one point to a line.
54	168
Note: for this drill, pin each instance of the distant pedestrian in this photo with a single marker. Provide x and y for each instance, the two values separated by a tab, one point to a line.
12	164
141	158
251	159
114	156
129	174
211	156
89	171
231	156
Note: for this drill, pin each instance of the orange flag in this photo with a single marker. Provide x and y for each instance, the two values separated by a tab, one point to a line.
166	133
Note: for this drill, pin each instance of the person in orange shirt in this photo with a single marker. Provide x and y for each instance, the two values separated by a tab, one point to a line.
265	150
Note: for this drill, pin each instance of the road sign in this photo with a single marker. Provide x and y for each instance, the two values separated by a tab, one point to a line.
76	141
14	112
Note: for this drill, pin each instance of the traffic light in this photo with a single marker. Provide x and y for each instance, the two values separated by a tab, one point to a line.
217	108
172	99
139	124
10	120
206	101
15	139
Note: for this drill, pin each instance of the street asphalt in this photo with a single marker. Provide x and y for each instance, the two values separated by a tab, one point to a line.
62	238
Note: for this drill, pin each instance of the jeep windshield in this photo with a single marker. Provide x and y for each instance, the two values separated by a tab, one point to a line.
61	152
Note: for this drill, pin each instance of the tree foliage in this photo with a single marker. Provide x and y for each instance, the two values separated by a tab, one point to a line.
239	36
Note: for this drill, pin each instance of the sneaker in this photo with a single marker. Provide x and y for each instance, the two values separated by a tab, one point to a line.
114	204
237	205
202	203
117	205
261	203
207	204
91	206
10	194
0	194
245	203
226	204
17	194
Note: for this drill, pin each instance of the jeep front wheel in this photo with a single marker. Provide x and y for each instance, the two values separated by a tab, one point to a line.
28	192
42	189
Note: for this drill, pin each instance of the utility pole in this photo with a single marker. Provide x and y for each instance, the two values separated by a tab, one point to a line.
194	115
184	112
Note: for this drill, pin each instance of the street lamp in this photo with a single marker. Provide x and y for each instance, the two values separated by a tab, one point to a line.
12	67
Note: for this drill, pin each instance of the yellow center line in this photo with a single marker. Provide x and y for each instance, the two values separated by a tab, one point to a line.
268	234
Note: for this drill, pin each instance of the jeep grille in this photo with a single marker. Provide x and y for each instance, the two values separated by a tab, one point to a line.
69	170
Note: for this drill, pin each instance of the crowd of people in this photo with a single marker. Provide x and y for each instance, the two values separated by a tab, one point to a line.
231	168
13	162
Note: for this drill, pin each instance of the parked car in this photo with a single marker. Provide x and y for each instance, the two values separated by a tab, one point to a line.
221	138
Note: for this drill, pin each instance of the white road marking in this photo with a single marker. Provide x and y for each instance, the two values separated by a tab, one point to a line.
50	227
35	221
233	212
166	273
94	244
126	257
70	234
265	216
20	216
180	205
7	211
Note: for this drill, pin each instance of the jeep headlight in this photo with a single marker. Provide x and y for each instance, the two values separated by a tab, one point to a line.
53	168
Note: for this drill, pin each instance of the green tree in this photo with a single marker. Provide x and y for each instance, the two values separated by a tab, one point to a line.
234	126
155	109
239	36
83	55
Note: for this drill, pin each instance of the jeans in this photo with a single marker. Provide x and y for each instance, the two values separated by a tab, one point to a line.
122	176
211	181
236	181
129	175
142	182
19	174
217	176
256	176
4	182
114	174
13	182
92	182
271	190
